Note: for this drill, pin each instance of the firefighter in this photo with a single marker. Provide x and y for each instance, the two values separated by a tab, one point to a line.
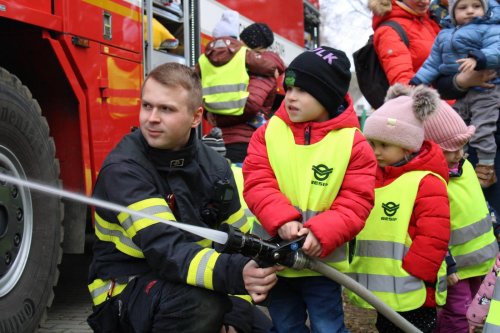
146	275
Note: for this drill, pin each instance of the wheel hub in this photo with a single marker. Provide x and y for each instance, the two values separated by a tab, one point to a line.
15	223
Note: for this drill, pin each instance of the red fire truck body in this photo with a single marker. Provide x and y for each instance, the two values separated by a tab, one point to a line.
70	78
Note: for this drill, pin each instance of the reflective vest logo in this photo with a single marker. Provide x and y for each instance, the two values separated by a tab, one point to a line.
321	173
390	209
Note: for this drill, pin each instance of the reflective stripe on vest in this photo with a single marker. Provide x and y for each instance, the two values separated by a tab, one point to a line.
382	245
310	176
250	218
472	243
225	88
492	324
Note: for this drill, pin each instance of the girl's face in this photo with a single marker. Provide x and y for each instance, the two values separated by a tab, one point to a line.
388	154
418	6
466	10
453	157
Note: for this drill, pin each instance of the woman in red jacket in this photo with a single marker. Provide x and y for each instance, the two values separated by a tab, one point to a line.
400	63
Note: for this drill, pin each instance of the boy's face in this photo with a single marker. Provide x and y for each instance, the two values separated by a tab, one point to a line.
453	157
303	107
466	10
387	154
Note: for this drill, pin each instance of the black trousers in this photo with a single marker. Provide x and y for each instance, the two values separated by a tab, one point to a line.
149	304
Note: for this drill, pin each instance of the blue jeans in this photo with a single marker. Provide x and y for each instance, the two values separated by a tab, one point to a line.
292	299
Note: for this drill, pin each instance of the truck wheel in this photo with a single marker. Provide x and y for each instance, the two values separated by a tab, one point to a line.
30	222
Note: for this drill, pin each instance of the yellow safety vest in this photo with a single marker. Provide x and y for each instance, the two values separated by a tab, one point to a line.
225	88
472	242
382	245
492	324
310	176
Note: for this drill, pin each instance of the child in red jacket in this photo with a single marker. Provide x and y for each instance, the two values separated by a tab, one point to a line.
473	247
399	254
309	171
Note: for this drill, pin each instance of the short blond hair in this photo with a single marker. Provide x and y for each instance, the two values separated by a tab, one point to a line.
173	74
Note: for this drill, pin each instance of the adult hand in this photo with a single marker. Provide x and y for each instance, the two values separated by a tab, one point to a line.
465	80
452	279
258	281
289	230
311	247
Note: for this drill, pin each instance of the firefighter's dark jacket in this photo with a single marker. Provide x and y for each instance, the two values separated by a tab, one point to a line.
128	178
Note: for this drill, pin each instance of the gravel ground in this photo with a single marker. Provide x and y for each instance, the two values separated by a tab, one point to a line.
359	320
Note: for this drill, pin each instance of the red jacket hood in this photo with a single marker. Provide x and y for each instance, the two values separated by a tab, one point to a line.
430	158
396	11
318	130
221	50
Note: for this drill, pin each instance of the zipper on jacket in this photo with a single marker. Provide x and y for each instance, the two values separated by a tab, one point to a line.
307	135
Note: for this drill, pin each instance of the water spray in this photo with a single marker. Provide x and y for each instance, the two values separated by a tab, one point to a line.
267	252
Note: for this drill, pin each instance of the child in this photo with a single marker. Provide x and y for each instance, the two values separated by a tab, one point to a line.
309	171
486	303
227	63
471	43
473	246
259	37
237	131
399	254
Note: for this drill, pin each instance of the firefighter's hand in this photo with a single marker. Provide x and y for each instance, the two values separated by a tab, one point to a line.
258	281
290	230
452	279
311	247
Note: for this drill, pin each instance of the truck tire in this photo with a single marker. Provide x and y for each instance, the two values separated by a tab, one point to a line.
30	222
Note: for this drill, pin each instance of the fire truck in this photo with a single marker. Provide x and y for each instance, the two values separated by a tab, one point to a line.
70	78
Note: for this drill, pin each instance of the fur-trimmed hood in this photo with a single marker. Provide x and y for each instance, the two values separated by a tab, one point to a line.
380	7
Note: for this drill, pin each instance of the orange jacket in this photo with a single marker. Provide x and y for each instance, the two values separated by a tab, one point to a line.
400	63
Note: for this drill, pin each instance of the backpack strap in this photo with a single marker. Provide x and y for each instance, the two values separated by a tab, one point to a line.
399	29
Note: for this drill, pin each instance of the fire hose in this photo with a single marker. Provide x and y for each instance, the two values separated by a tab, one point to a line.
287	253
266	252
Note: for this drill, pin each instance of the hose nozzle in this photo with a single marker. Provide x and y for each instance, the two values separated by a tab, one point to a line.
265	252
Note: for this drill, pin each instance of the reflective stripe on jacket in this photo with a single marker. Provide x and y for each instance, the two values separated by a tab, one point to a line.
472	244
492	324
310	176
382	245
225	88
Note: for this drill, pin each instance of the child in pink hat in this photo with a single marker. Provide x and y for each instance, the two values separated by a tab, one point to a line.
399	254
473	247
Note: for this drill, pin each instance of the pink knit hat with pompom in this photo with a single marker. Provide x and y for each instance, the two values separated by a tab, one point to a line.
447	129
399	121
